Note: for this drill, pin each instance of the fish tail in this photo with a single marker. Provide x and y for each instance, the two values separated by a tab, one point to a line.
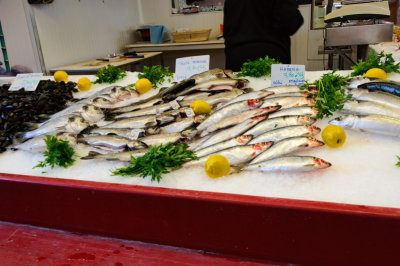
91	155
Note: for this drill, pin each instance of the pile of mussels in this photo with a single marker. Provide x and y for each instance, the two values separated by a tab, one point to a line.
19	107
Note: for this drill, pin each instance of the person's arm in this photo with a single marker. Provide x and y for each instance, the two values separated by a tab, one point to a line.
286	16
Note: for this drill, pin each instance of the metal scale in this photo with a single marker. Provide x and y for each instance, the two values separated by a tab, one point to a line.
357	23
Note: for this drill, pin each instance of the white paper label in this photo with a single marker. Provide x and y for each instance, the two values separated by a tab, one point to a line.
186	67
175	105
27	81
282	75
189	112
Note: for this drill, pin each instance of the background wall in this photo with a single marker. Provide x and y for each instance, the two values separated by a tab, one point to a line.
72	31
19	39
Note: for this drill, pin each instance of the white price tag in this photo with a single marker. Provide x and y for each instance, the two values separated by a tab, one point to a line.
282	75
186	67
27	81
189	112
175	105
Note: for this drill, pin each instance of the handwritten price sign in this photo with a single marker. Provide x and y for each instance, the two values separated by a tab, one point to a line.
282	75
189	66
27	81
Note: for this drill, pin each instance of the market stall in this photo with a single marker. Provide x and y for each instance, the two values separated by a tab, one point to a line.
290	217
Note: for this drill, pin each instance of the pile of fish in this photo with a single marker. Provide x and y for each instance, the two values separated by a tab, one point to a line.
375	107
19	108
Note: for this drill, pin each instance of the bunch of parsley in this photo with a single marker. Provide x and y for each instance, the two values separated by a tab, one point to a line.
382	61
156	74
109	74
331	95
59	152
257	68
158	161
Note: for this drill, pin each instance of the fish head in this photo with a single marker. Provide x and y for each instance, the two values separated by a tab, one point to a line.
262	146
254	103
189	133
76	124
199	118
313	130
321	163
229	73
102	102
344	121
164	119
311	101
270	109
244	139
152	131
306	120
92	113
312	142
258	118
242	83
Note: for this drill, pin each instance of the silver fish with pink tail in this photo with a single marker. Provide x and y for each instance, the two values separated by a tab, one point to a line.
231	132
286	146
286	132
289	164
236	155
238	141
239	118
230	110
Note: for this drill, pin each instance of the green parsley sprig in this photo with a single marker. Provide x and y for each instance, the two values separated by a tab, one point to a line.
157	161
398	163
257	68
109	74
331	95
156	75
382	61
59	152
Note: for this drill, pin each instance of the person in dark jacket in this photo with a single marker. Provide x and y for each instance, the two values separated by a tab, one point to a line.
258	28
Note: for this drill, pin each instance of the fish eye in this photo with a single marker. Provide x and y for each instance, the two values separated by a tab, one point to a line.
82	120
114	89
340	118
71	119
96	108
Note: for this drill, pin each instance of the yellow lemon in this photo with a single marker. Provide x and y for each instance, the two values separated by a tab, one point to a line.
143	85
376	73
333	136
84	84
61	76
200	107
217	166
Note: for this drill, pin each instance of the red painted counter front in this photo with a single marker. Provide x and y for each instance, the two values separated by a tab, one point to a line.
289	231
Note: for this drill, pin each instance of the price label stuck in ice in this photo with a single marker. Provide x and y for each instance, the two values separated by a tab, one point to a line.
27	81
189	112
282	75
186	67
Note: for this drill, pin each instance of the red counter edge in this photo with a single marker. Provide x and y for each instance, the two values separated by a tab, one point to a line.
291	231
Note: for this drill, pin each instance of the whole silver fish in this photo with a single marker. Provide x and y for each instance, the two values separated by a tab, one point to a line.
370	108
293	94
230	110
289	89
183	124
248	96
238	141
70	124
286	132
113	143
377	96
134	106
122	132
37	144
160	139
237	119
141	121
235	155
278	122
119	156
301	110
378	124
288	101
286	146
232	132
289	164
222	83
152	110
